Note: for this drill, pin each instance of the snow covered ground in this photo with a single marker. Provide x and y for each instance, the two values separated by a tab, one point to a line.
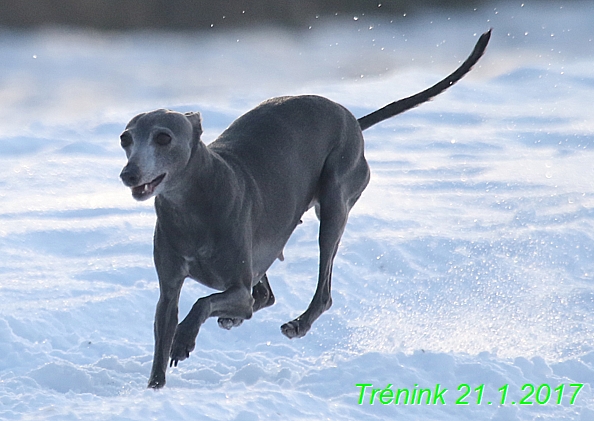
468	260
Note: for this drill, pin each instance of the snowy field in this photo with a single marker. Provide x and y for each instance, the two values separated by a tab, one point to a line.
468	260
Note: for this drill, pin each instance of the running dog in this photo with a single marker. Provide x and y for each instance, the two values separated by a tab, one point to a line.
225	211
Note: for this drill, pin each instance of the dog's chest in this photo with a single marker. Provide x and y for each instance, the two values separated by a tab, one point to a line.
210	257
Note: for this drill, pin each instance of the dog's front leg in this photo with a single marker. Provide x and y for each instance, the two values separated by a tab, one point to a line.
165	324
171	278
236	302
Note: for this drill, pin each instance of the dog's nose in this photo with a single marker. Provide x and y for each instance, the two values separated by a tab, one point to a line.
130	175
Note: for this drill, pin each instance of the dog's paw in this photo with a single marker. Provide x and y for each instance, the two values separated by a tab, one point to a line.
182	345
156	382
229	322
294	329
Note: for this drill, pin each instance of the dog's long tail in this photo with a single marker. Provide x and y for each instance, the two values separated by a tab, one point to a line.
402	105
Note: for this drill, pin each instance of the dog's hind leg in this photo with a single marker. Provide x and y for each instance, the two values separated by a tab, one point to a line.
337	196
262	294
333	218
343	179
263	297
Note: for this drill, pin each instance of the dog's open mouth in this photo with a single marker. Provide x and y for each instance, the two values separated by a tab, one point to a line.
144	191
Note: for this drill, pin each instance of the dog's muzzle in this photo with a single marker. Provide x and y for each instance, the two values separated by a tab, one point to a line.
130	176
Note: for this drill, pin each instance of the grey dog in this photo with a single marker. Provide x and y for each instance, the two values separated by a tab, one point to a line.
225	211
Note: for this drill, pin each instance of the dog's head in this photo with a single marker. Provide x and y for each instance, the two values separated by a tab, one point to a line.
158	146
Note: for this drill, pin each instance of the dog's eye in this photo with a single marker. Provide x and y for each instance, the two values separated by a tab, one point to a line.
125	140
163	139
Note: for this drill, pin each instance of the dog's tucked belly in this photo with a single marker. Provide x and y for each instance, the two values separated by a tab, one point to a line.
221	276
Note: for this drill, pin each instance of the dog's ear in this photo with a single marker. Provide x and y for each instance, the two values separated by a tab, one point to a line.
196	121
